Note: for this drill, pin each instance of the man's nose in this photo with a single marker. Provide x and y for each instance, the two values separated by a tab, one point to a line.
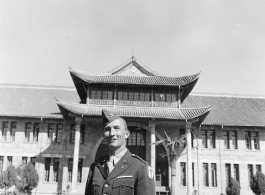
112	131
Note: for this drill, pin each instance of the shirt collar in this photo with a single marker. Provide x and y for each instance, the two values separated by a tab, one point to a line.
118	156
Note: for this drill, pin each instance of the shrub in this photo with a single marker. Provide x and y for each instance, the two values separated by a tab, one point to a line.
258	183
28	178
233	188
8	177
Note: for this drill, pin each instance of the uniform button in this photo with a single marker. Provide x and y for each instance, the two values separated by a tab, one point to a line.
106	185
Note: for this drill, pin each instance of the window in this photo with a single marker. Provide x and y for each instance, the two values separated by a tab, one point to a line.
79	173
4	130
27	132
56	163
59	132
236	172
250	174
165	97
47	169
227	173
1	163
33	161
182	133
183	173
36	132
50	132
136	138
212	138
258	168
82	134
102	94
13	130
205	175
204	138
248	139
24	160
9	160
70	169
256	140
234	139
214	174
230	135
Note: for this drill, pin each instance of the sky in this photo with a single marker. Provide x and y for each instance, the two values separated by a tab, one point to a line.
224	40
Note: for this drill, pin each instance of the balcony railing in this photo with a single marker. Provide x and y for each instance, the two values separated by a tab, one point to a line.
104	102
133	103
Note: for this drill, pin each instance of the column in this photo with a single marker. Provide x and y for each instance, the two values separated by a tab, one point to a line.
189	160
78	121
153	147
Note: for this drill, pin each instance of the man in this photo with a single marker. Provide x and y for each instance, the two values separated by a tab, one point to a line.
120	172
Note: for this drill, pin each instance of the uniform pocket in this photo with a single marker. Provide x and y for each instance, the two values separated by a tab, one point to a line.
97	185
123	186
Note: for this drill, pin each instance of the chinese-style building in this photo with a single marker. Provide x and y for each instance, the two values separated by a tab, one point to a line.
63	140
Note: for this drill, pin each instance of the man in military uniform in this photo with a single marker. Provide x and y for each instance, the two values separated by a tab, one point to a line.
120	172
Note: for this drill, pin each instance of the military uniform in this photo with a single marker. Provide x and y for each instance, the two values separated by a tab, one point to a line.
130	176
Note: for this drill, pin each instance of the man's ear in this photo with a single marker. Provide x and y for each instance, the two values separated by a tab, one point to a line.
127	134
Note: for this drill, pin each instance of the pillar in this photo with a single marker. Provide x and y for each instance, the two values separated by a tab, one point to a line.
189	159
78	121
153	147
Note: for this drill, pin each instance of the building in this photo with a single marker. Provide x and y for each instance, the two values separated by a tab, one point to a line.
228	130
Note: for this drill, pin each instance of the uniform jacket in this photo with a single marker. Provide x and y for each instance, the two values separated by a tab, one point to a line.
131	176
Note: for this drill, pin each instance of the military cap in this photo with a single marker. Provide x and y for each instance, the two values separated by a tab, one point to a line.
108	117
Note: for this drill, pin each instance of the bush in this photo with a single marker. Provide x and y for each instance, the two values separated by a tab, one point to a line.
8	177
28	178
258	183
233	188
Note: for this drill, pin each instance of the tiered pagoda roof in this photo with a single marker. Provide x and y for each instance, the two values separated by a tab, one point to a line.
143	77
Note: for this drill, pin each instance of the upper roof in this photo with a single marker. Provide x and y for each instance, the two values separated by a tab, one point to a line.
133	66
39	102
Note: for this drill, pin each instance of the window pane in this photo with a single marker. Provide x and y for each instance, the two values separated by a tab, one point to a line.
236	172
79	173
47	168
212	138
27	132
33	161
72	134
227	173
250	173
226	139
183	173
59	133
205	175
234	139
70	169
204	138
136	96
56	162
214	174
248	139
36	132
120	95
256	140
142	96
93	94
50	131
13	130
82	134
168	97
258	168
131	96
1	163
98	95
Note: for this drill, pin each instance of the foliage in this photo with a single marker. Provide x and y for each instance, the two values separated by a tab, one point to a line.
258	183
28	178
233	188
8	177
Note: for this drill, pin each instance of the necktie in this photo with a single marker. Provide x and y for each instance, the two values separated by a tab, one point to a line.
111	164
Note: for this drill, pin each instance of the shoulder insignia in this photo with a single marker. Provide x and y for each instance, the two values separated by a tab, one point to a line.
150	172
138	157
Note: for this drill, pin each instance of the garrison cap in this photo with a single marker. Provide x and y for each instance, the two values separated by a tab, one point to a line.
108	117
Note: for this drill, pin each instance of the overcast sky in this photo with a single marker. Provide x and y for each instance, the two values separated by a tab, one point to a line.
225	40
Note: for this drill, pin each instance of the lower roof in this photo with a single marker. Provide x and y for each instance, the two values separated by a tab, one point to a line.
31	101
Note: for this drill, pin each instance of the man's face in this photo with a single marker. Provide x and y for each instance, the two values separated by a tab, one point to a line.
115	134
